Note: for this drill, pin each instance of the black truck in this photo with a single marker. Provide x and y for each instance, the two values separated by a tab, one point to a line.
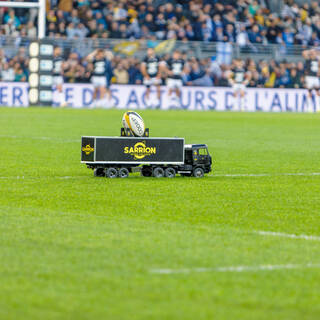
154	157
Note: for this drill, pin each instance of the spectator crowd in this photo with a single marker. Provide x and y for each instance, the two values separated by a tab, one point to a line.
243	22
235	21
198	72
15	68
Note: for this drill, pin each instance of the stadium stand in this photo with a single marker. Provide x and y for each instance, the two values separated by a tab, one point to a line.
246	25
243	22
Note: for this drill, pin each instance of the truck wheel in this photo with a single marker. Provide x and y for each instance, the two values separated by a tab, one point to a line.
98	172
198	172
158	172
170	173
111	173
146	171
123	173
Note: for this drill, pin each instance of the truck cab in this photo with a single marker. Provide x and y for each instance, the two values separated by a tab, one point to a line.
197	159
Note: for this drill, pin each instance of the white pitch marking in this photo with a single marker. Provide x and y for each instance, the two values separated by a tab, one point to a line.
40	138
268	174
243	175
288	235
267	267
15	178
213	175
70	177
44	177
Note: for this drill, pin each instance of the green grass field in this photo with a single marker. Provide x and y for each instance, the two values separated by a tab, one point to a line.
77	247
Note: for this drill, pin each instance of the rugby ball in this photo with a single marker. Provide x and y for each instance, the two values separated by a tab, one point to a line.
133	121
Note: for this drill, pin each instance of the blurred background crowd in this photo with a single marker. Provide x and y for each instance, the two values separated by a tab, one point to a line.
243	22
199	72
236	21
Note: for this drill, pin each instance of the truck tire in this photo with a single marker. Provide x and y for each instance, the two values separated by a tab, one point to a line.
123	173
146	171
98	172
158	172
198	172
111	173
170	173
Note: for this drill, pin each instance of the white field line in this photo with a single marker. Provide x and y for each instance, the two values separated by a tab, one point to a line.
43	177
288	235
268	174
267	267
40	138
306	174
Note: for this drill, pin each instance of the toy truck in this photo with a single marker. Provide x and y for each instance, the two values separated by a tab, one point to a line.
154	157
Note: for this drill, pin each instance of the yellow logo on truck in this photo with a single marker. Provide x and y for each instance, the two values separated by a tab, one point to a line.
87	149
140	150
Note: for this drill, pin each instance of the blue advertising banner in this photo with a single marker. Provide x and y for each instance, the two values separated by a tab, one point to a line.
193	98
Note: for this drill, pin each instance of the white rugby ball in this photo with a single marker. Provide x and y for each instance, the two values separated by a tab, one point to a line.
133	121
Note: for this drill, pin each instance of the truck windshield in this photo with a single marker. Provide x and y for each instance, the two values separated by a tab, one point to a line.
203	152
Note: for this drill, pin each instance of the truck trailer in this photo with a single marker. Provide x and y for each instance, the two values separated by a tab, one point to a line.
113	157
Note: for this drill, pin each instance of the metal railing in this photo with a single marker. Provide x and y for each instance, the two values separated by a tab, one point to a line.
198	49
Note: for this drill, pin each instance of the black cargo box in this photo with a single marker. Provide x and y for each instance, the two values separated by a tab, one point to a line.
132	150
